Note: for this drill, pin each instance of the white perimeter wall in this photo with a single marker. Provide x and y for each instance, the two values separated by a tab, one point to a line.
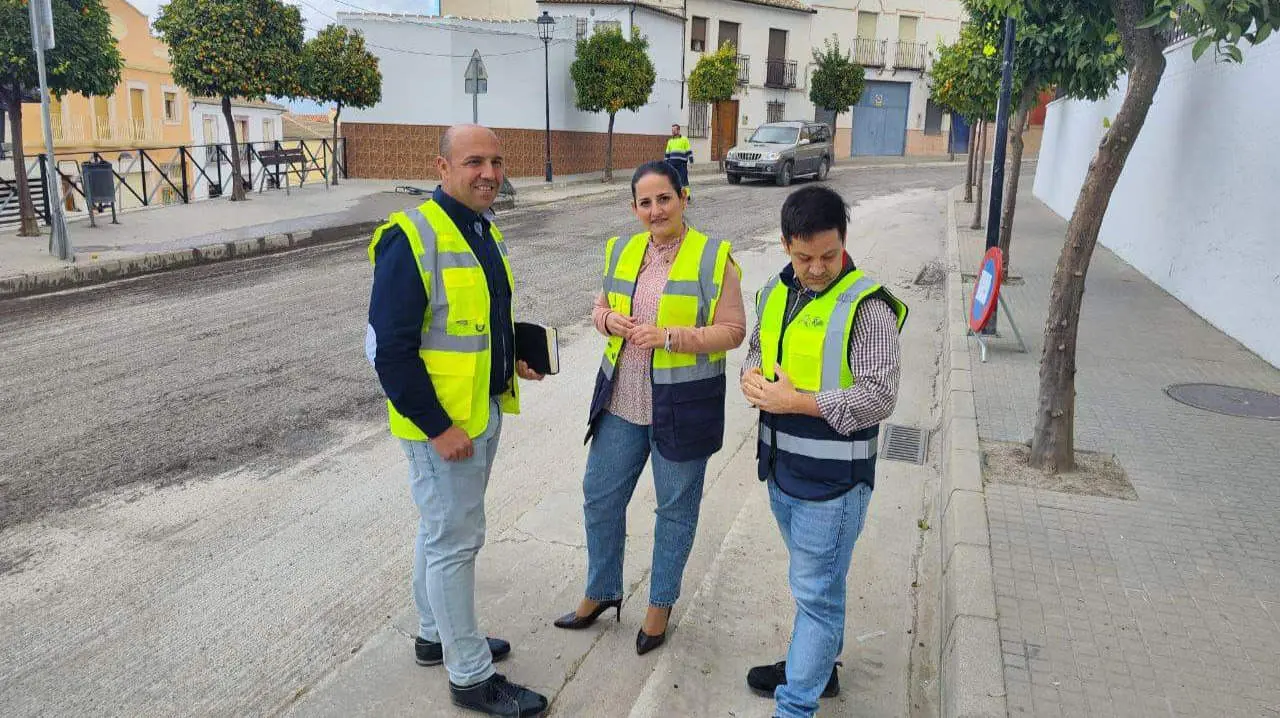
1197	209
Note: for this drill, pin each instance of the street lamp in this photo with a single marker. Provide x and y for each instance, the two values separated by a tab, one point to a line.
547	28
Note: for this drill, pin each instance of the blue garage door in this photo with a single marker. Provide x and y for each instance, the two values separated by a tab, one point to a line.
880	119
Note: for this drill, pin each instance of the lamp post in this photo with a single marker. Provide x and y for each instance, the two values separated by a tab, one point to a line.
547	28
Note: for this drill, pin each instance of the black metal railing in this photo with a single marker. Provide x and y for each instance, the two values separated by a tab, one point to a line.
151	176
744	70
910	55
1180	30
775	112
780	73
699	119
869	53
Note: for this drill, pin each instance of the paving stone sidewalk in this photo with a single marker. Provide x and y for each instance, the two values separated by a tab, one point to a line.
1164	606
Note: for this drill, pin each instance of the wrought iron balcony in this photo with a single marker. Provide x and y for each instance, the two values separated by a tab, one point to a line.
744	70
780	73
869	53
910	55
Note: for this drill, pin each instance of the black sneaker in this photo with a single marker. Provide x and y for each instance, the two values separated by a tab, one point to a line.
499	697
765	679
431	653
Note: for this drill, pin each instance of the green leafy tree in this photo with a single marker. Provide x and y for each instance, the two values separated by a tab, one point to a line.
1082	60
85	60
838	82
715	77
965	80
1144	28
336	68
612	74
233	48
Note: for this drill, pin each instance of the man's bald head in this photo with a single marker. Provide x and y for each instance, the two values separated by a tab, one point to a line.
454	132
470	165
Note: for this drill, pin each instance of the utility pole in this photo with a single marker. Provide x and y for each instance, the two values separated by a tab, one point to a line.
42	39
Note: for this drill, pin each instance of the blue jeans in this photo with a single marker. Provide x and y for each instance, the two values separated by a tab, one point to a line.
450	499
820	536
618	454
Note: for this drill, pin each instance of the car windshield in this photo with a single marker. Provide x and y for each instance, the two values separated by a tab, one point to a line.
775	135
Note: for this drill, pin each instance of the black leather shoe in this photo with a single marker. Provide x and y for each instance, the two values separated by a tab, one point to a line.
573	621
499	697
431	653
765	679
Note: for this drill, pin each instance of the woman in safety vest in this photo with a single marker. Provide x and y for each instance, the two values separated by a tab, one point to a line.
671	307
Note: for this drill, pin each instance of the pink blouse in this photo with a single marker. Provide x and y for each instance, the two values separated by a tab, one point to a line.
632	389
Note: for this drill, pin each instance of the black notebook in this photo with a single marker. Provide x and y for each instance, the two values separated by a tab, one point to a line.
539	347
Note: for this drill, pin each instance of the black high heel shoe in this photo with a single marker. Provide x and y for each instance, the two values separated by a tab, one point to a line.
573	621
646	643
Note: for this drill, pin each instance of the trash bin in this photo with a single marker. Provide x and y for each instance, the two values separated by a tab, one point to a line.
99	182
99	188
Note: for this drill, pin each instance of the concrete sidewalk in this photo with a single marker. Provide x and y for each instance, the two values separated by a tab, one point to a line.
1166	605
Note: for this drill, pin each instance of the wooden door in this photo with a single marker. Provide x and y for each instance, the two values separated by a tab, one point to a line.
724	128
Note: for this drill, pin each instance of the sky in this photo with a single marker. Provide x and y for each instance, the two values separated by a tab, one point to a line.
318	13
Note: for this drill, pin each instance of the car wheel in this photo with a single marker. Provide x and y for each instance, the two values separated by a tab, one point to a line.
783	177
734	179
823	169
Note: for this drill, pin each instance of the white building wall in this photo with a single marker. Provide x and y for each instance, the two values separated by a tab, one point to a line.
424	60
1196	207
254	115
754	22
938	22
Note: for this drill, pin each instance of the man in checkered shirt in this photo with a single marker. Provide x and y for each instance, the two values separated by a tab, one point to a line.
823	370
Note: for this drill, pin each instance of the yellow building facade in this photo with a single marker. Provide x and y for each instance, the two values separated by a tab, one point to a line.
146	110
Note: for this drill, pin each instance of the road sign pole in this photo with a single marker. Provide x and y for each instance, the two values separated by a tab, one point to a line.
42	39
1001	139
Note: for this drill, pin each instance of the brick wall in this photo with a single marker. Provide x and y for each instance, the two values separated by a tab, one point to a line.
385	151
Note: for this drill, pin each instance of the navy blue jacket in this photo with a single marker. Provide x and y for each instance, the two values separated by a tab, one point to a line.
398	303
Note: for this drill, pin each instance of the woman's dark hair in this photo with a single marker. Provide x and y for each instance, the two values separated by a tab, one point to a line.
813	209
656	167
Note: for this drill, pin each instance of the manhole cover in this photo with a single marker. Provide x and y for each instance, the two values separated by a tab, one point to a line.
1229	400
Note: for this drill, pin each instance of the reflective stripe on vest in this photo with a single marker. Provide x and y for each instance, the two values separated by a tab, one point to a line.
821	448
454	344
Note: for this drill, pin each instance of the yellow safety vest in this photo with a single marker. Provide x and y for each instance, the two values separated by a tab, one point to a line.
689	299
455	328
807	457
815	354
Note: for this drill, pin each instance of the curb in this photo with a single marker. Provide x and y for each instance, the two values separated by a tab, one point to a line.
972	669
79	275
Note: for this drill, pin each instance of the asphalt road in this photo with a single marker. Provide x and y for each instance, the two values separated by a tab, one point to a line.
188	374
201	512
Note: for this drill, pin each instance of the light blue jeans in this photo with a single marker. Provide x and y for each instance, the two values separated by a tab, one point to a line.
617	456
450	499
820	536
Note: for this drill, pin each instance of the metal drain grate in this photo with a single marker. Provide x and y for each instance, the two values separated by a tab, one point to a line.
905	443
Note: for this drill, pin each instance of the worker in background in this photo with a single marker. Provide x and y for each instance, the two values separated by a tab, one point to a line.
680	156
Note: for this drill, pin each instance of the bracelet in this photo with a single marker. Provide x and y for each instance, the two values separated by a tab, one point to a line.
667	346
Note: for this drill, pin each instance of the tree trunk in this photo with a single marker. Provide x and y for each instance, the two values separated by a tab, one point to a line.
237	182
1027	101
336	115
26	208
968	177
608	155
1053	443
980	174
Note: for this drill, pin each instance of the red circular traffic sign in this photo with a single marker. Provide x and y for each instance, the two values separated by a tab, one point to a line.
987	290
